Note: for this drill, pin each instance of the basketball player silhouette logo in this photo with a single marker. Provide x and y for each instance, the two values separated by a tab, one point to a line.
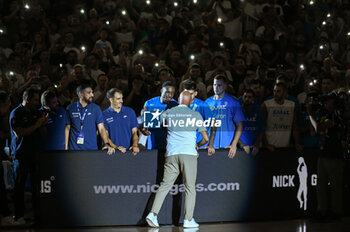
302	192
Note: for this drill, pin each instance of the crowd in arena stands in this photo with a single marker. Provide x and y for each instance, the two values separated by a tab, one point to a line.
267	64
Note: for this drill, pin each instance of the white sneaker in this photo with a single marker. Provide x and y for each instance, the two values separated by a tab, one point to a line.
153	230
190	224
152	220
20	221
10	221
191	230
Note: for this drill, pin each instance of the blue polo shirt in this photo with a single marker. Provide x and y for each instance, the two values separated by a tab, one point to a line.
157	139
203	108
253	125
93	117
119	125
229	111
56	125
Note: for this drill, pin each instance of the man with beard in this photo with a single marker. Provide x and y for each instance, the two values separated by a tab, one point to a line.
56	123
280	120
26	125
253	125
84	119
227	109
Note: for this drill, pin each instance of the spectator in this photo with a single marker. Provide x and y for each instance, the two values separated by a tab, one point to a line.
194	74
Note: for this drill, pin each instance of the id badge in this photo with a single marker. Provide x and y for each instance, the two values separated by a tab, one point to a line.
80	139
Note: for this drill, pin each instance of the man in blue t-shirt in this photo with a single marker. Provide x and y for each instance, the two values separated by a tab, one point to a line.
201	107
121	123
226	110
56	123
155	106
84	119
253	125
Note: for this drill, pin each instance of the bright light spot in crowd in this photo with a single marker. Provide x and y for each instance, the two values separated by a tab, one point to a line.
82	11
83	48
311	2
321	47
315	81
107	22
27	6
219	20
192	57
61	65
148	2
311	83
1	31
349	33
324	23
11	73
328	15
176	4
123	12
302	67
140	52
194	1
156	64
221	44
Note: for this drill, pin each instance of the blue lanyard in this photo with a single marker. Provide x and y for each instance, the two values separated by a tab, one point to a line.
81	117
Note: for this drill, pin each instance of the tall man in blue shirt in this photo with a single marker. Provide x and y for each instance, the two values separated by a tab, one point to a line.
56	123
227	109
26	126
85	118
201	107
181	156
121	123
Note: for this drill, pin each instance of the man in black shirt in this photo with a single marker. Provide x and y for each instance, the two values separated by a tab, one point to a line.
26	125
330	163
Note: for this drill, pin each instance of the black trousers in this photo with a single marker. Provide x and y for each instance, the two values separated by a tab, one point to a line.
26	165
177	199
4	209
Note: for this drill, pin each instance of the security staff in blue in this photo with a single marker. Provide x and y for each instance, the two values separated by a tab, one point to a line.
121	123
227	109
85	118
56	123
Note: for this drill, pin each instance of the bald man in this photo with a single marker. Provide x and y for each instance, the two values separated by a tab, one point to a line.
181	156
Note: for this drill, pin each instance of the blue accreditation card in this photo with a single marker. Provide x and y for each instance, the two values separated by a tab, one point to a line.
80	139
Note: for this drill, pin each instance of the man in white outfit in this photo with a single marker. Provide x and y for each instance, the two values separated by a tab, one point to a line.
181	156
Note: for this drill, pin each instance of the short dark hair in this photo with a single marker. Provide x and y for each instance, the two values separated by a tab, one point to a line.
283	77
249	91
284	87
29	93
46	96
220	77
190	85
111	92
254	82
168	83
82	87
4	97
